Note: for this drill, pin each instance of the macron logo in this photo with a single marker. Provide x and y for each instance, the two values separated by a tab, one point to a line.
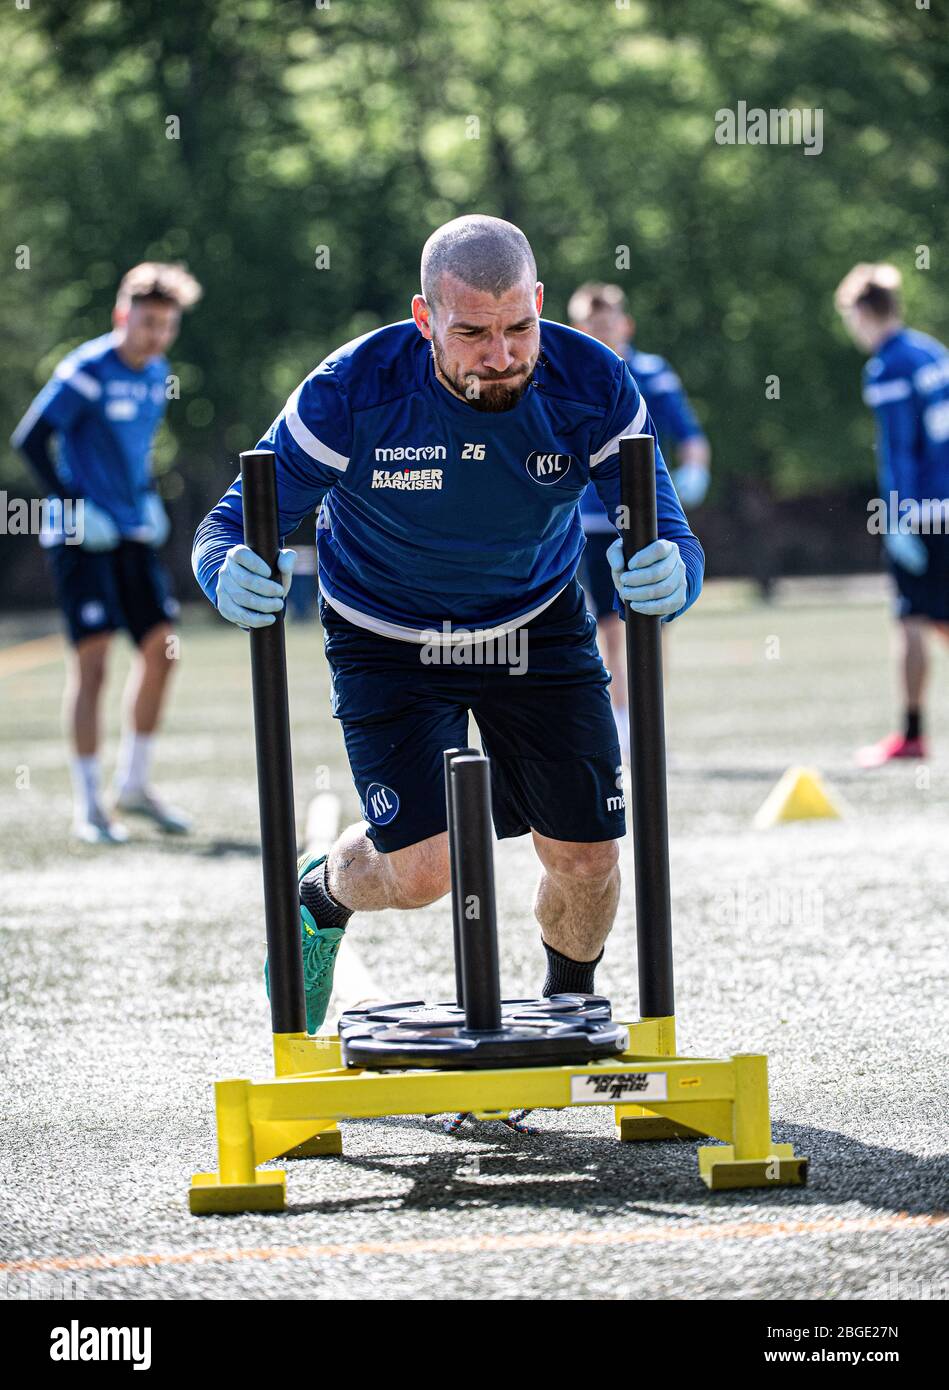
411	453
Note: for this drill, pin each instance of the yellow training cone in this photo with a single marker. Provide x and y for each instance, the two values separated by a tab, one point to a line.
799	795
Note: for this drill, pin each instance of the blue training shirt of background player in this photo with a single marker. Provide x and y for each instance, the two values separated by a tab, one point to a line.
432	512
671	414
906	383
106	414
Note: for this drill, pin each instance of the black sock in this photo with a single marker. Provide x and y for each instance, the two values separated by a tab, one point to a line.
315	895
566	976
914	723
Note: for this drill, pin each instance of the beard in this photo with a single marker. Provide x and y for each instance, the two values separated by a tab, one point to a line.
490	394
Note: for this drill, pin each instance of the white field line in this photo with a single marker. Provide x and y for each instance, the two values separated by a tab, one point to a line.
352	982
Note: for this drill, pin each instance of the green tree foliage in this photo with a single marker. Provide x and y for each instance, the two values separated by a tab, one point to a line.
358	125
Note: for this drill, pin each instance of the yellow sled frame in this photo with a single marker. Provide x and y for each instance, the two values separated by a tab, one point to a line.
297	1114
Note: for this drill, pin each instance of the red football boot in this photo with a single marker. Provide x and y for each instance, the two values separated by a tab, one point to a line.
893	746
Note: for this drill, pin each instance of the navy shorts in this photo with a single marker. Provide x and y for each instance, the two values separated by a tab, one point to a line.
925	595
549	731
109	590
596	576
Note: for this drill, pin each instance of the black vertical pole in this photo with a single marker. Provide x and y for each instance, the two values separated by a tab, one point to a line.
647	738
451	753
470	782
278	835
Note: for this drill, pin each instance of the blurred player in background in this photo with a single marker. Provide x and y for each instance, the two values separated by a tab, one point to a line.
104	403
906	384
601	311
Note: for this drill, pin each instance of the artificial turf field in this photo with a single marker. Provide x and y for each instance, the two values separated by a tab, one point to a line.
132	979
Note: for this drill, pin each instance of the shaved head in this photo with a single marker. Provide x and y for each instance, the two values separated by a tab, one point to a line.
485	253
480	310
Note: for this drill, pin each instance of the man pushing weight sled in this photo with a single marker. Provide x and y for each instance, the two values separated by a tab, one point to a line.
447	455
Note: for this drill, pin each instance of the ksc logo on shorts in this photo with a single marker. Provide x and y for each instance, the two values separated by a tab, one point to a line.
548	468
92	613
382	804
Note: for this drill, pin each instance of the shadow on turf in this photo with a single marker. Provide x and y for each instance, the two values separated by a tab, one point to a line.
496	1167
210	849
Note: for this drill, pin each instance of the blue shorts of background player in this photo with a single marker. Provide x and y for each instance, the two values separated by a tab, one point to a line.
125	589
924	595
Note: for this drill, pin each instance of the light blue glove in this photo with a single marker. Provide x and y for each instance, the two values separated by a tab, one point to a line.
157	527
654	581
94	527
691	483
246	595
907	551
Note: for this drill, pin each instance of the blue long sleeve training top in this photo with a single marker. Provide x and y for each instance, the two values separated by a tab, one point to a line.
671	413
105	415
433	515
907	386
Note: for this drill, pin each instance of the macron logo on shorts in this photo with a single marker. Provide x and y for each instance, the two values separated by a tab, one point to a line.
382	804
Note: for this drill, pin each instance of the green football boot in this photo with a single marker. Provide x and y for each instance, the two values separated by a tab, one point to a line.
320	945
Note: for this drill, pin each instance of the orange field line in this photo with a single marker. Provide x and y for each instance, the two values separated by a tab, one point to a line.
485	1245
37	652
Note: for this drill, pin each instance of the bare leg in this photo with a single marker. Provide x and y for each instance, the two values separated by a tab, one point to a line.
147	684
145	694
81	710
912	660
82	697
577	895
362	879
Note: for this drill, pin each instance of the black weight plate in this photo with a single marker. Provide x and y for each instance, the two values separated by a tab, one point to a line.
559	1007
567	1028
